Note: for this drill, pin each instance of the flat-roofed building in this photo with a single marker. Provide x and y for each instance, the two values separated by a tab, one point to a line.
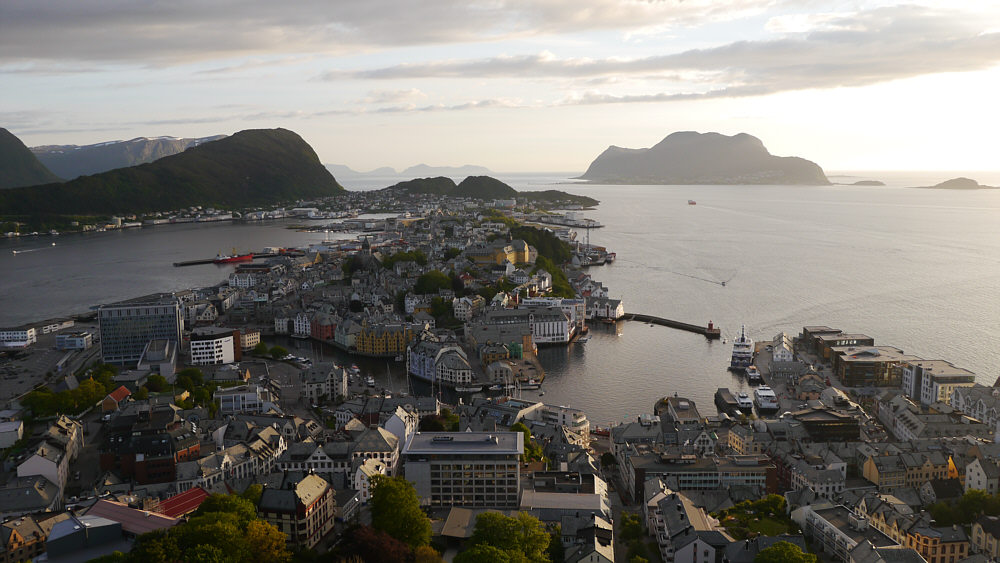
21	337
74	341
868	366
127	326
215	346
826	342
474	469
836	530
933	381
810	335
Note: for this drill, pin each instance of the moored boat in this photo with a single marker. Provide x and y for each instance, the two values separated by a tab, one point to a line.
742	351
725	402
765	400
753	375
469	389
530	384
234	257
744	402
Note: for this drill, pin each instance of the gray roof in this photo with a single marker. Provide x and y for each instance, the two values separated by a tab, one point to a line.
453	443
292	494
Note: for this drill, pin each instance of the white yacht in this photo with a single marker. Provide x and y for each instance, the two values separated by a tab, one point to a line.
742	351
765	399
744	403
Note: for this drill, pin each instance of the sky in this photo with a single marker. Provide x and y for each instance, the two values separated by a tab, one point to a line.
516	86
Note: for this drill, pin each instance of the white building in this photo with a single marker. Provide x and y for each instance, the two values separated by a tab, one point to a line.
932	381
18	337
465	308
48	460
361	480
10	433
244	398
242	281
301	325
781	348
74	341
213	346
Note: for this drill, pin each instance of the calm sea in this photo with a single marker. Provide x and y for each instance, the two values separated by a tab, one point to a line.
916	269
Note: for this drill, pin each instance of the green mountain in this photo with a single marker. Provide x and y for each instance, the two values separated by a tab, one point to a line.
18	167
72	161
688	157
432	186
251	168
484	187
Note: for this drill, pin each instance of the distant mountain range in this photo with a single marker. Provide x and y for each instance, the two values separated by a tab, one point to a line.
688	157
418	171
251	168
483	187
71	161
18	167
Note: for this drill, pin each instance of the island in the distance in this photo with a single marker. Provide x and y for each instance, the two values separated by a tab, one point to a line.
483	187
958	184
689	157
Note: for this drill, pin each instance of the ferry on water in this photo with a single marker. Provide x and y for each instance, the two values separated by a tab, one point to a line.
754	376
725	402
742	351
766	400
745	402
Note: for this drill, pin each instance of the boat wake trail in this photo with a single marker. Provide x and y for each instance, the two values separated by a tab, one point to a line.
676	273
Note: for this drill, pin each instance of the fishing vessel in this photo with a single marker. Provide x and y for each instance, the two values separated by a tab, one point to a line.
234	257
765	399
742	351
469	389
531	384
692	202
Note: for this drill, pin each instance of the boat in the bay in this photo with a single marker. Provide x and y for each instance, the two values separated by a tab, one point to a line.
530	384
744	402
742	351
753	375
765	399
725	402
234	257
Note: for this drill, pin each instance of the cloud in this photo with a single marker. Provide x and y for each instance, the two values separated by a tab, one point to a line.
392	96
193	30
838	50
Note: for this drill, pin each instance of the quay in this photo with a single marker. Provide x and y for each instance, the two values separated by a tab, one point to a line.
711	331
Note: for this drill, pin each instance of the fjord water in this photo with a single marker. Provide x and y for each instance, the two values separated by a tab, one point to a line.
916	269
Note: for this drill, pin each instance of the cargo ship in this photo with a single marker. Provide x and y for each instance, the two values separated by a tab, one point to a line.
234	257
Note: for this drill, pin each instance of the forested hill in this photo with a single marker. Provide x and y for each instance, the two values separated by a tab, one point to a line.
251	168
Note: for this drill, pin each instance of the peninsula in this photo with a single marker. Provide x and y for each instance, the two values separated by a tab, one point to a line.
688	157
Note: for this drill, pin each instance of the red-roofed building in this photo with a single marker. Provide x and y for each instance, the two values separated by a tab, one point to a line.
115	399
183	503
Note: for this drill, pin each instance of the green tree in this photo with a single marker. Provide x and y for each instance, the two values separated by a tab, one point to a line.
396	511
784	552
265	543
426	554
524	537
431	282
243	509
278	352
196	375
631	527
484	553
260	349
253	493
157	383
608	459
142	394
972	504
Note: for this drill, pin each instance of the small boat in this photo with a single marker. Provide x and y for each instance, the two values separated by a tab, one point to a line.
469	389
725	402
399	358
531	384
745	404
692	202
753	375
497	387
583	339
370	381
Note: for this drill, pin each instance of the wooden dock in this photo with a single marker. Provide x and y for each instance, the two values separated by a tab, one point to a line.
711	331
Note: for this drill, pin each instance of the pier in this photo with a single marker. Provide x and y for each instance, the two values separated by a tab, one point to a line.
711	331
212	260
